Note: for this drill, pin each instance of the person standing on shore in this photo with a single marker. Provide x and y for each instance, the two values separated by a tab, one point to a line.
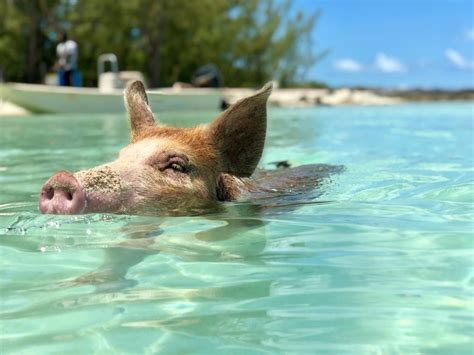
67	52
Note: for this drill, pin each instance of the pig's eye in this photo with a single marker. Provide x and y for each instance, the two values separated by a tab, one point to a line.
177	167
176	164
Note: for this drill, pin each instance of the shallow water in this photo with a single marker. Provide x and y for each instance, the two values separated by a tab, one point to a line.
380	261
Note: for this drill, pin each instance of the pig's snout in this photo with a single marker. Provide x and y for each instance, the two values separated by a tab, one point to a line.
62	194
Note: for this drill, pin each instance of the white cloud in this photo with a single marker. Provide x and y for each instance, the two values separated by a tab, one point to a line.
348	65
458	60
387	64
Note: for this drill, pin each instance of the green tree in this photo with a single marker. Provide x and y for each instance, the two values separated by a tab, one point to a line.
251	41
27	31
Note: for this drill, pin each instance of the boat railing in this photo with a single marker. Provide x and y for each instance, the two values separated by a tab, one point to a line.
104	58
108	81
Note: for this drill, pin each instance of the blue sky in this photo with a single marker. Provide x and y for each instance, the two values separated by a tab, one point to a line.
394	43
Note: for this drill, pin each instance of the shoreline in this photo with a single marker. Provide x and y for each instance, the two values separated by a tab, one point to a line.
316	97
9	109
350	96
304	97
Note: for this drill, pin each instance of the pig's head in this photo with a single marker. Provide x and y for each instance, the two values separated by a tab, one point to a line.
166	170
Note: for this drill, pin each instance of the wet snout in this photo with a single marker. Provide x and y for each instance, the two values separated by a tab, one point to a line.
62	194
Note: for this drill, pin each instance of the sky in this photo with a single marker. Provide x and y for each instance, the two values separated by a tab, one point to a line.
394	43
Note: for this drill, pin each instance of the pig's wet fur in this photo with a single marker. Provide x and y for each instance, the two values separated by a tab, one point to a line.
178	171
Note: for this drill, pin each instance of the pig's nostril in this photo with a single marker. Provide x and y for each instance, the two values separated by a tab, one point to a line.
69	196
50	193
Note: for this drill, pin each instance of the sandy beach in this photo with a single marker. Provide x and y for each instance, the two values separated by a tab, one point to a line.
314	97
351	96
9	109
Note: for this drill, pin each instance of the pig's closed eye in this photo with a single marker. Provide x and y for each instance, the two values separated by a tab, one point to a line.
176	167
176	164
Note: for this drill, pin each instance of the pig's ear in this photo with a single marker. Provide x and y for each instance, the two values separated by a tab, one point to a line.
136	102
239	133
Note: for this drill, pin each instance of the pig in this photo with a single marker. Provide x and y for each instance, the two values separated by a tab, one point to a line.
168	170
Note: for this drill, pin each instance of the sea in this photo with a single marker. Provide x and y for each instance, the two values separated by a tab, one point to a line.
379	260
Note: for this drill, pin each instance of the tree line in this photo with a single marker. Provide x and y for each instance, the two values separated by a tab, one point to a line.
250	41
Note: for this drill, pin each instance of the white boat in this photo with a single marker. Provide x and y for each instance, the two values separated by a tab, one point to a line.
108	97
59	99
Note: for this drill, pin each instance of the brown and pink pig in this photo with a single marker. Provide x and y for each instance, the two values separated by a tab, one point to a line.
173	171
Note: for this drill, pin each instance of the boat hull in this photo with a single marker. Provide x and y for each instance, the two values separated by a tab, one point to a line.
55	99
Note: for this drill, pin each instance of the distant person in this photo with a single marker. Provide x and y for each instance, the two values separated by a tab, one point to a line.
67	52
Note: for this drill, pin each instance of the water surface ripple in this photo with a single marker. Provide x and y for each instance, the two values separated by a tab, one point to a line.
378	261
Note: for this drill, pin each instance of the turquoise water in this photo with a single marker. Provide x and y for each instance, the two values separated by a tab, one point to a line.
380	263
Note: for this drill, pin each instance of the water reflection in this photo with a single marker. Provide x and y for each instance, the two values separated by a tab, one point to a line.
141	240
235	233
